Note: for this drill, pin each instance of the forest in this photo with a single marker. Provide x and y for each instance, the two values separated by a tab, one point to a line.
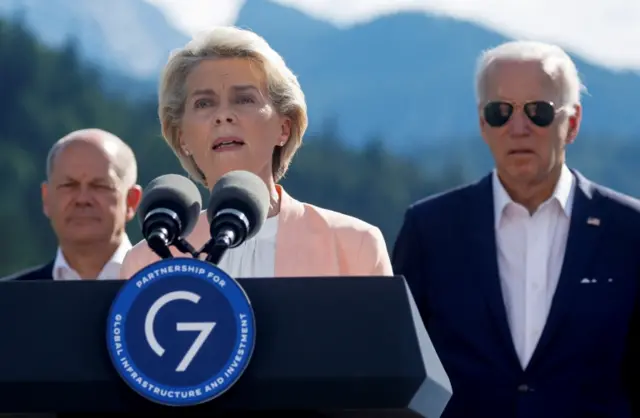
48	93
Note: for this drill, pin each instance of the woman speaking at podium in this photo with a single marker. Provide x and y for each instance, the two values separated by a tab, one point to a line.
228	101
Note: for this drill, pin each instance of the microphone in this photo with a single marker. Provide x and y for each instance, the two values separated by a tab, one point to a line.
168	211
238	207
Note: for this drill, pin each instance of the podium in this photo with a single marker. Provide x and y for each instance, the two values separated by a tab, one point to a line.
325	347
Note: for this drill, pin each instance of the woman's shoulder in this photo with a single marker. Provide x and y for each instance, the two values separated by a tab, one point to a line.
363	241
336	220
352	232
141	255
137	258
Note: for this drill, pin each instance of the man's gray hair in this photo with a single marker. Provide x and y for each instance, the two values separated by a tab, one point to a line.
124	160
555	61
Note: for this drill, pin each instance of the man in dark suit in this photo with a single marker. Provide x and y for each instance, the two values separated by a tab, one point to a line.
89	196
40	272
528	280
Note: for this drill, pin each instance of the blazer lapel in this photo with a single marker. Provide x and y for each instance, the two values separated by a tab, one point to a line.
484	256
581	243
295	242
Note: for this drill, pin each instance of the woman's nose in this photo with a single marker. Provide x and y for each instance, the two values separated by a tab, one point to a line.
225	115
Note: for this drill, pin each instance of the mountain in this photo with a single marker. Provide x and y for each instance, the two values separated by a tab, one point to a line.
406	78
368	183
409	77
130	39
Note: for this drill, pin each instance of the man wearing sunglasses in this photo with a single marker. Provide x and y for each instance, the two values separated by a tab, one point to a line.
527	281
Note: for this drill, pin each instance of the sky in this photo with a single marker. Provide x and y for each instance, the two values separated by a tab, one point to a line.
606	32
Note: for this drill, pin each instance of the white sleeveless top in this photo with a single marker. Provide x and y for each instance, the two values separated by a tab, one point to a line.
255	257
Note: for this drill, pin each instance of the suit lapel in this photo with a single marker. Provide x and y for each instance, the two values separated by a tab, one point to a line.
581	243
43	273
48	270
483	252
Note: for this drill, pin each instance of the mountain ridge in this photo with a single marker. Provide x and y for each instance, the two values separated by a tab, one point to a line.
406	77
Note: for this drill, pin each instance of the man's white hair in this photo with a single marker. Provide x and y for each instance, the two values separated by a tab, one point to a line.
555	61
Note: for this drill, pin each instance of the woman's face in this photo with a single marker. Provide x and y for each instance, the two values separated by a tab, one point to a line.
229	123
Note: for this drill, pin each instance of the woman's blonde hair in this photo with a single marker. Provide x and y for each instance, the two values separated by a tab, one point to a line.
230	42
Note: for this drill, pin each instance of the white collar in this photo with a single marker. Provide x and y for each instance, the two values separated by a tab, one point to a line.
111	270
563	193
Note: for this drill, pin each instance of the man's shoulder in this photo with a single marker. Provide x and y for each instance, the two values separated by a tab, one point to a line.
621	210
39	272
617	199
450	200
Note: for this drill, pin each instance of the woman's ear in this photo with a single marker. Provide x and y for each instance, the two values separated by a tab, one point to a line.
183	146
285	133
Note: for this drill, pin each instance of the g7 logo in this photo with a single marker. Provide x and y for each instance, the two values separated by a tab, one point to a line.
204	328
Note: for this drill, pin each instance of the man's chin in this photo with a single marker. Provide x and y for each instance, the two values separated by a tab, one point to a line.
85	238
523	172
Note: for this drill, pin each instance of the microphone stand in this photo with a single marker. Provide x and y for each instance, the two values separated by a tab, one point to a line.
160	247
216	247
228	228
157	241
184	247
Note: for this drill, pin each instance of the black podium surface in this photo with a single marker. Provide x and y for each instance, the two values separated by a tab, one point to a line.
325	346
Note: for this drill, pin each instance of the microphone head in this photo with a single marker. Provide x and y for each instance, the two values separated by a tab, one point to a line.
244	192
175	193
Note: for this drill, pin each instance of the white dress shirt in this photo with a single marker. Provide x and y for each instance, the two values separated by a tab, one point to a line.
111	270
255	257
530	256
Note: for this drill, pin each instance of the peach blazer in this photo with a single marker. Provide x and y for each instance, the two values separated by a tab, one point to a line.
311	241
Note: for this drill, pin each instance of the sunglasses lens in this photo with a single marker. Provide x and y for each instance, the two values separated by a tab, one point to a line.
540	113
497	113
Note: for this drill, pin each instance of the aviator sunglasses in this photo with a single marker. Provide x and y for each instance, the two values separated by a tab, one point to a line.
540	113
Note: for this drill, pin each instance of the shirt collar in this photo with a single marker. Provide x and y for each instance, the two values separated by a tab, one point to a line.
62	270
563	193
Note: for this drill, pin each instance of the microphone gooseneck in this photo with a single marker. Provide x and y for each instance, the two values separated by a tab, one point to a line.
237	210
229	228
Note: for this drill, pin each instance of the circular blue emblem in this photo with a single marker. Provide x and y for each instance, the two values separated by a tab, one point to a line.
181	332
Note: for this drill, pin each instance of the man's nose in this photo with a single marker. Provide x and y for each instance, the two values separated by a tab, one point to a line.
519	124
83	195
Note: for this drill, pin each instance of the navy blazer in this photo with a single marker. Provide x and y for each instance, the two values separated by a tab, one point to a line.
42	272
587	355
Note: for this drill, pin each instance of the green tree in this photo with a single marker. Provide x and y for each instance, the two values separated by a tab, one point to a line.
48	93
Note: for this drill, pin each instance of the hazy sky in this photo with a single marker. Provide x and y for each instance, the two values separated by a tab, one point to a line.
602	31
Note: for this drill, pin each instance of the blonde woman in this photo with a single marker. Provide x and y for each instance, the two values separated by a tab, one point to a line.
227	101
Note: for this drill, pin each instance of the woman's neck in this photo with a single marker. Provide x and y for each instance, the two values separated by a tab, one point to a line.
274	198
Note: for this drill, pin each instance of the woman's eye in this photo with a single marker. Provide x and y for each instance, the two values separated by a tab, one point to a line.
243	100
202	103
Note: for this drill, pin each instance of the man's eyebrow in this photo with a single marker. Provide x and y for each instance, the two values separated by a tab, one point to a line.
67	179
